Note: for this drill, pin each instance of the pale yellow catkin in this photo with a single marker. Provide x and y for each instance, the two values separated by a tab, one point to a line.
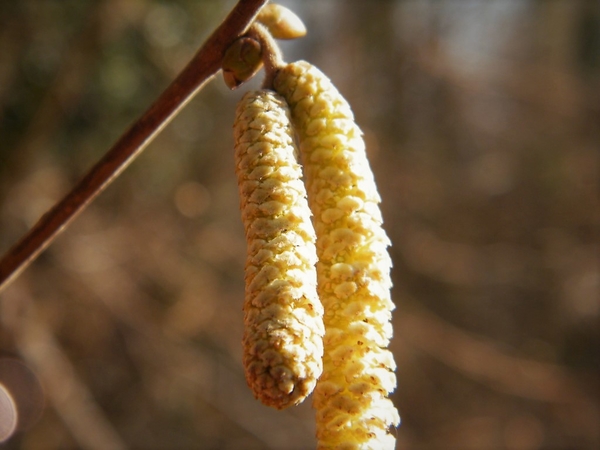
283	332
281	22
351	397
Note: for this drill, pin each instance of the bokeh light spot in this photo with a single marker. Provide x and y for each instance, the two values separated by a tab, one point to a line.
20	387
8	414
191	199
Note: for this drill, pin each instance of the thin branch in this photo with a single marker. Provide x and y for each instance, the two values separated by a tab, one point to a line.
203	66
271	54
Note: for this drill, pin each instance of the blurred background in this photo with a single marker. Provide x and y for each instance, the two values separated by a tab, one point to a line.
482	125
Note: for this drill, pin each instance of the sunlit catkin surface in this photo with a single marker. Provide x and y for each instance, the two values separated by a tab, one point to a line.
353	410
283	316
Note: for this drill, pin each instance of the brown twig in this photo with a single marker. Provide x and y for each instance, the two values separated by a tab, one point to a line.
203	66
271	54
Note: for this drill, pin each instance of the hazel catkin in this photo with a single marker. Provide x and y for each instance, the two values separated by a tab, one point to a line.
283	330
281	22
351	397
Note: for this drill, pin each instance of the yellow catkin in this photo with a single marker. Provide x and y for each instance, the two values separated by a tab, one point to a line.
351	397
283	317
281	22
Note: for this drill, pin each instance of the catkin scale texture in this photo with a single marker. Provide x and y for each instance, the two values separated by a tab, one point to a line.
283	324
351	397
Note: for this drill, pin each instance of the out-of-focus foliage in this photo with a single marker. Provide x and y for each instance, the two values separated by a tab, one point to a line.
481	120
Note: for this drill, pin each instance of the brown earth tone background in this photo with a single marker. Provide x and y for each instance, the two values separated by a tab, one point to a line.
482	120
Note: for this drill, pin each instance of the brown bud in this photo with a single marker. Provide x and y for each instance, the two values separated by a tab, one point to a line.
241	61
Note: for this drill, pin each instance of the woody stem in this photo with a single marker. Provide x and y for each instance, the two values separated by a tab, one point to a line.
203	66
271	54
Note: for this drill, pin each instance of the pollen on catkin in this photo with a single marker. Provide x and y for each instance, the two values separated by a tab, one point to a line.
283	317
351	397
